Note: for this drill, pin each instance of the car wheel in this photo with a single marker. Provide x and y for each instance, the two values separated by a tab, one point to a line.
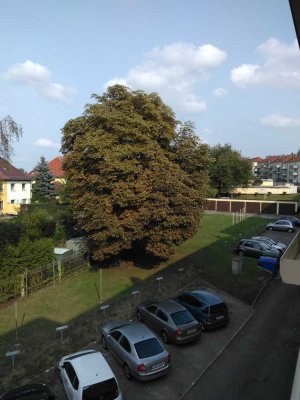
270	228
103	342
241	253
165	337
127	372
139	316
290	230
202	326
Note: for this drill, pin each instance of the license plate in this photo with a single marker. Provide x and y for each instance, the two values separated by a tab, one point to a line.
157	366
191	331
220	317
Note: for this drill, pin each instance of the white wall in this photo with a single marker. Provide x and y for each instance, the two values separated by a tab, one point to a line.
18	194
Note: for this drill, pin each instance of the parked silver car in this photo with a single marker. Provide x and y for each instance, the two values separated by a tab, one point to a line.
270	242
281	225
173	321
137	348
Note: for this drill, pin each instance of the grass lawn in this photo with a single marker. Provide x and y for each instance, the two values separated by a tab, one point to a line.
75	300
210	249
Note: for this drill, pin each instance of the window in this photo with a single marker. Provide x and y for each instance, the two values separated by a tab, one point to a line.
12	187
151	309
116	335
182	317
23	186
71	375
23	201
148	348
1	205
1	187
162	315
192	301
12	202
125	344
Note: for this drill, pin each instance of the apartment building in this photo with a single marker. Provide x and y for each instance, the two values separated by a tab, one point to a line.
282	169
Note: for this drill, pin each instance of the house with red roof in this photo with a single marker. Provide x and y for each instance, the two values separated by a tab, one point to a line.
55	167
15	188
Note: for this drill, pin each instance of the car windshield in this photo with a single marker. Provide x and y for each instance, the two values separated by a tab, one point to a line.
148	348
106	390
220	308
181	317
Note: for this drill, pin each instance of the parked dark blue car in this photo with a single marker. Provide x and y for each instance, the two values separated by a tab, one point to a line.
208	308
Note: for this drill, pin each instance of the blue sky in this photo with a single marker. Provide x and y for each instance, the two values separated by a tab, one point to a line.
231	66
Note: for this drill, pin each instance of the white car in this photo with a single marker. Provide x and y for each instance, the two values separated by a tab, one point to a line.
87	376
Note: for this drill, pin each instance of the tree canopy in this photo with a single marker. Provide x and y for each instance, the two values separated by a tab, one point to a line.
228	169
43	189
9	132
136	174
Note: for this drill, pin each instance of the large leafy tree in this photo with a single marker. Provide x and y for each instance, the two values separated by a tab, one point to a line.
135	175
229	168
43	189
9	132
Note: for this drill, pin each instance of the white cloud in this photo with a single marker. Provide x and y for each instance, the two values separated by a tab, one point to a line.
280	67
280	122
219	92
46	143
38	77
174	72
207	130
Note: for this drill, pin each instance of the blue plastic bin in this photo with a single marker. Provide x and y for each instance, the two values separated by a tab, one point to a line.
269	264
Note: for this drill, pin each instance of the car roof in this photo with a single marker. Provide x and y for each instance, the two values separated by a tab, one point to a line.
262	238
169	306
135	332
90	367
281	220
208	297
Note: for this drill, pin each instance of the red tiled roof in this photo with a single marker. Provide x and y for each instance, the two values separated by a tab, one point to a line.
285	158
257	159
9	172
55	167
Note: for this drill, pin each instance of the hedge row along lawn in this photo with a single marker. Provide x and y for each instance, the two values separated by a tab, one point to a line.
211	250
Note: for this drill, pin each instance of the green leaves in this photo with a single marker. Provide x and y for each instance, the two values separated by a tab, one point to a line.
228	169
134	179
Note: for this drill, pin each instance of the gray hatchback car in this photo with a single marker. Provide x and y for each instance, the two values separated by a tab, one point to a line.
281	225
173	321
139	351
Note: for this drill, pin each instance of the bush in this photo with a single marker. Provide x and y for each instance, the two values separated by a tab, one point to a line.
283	193
256	194
269	194
28	254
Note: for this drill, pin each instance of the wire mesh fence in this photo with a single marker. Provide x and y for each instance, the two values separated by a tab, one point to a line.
22	284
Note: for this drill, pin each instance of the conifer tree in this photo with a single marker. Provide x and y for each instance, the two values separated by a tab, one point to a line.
43	189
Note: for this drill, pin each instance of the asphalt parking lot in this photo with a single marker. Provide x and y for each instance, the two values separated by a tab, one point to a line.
188	361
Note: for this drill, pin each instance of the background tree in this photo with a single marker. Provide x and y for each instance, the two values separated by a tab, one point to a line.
9	132
135	181
43	188
228	169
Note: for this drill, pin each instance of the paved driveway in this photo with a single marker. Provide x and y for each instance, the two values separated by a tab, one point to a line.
188	361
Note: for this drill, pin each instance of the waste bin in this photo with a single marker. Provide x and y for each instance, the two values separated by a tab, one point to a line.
269	264
237	265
